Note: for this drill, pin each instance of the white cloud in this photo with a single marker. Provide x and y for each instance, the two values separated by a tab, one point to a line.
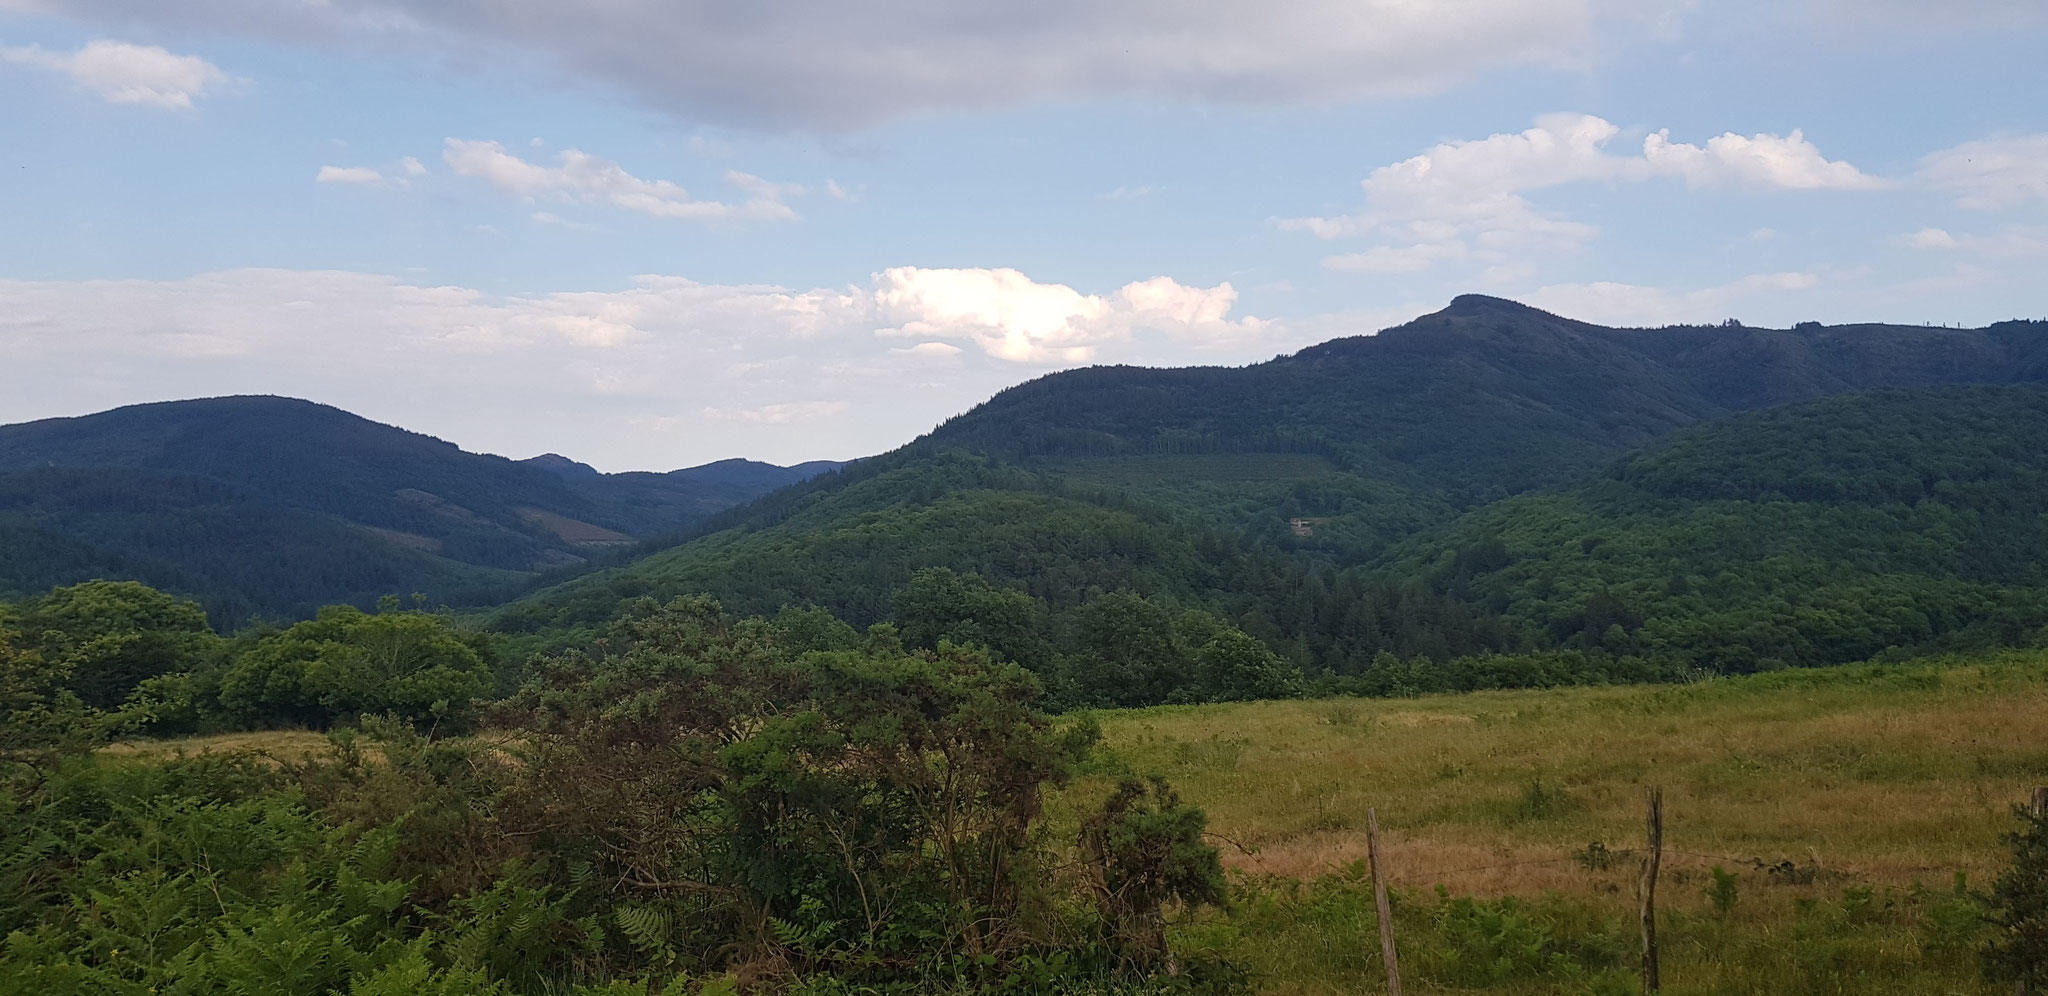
1464	200
783	414
930	351
1931	238
1015	318
1620	304
1137	193
584	178
359	175
2012	240
1991	173
123	73
1758	162
837	66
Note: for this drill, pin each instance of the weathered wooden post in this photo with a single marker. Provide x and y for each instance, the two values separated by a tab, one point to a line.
1652	858
1379	898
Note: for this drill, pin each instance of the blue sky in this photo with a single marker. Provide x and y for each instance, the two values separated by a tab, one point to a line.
651	234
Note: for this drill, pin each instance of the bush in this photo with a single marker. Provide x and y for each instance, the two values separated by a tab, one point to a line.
2017	909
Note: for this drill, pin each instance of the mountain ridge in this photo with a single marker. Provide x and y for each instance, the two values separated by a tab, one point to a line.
428	514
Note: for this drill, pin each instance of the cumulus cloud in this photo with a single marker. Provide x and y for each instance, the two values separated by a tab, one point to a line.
1992	173
1464	200
124	73
1757	162
594	372
1015	318
1621	304
581	177
837	66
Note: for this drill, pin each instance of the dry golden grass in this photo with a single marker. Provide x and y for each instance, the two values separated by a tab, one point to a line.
293	745
1888	775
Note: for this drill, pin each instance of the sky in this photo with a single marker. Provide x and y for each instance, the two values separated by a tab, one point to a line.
648	234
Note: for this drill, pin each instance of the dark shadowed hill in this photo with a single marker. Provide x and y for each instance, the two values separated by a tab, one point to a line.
1482	399
275	505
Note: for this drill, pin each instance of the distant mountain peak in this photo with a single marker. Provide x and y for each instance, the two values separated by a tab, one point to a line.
1465	304
555	463
1483	306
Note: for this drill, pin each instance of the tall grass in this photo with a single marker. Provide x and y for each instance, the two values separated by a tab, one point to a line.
1840	806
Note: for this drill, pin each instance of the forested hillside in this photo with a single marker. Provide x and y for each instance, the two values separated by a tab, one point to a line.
1810	534
1818	533
260	505
1482	399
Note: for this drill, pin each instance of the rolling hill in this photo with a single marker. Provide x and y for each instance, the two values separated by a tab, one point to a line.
263	505
1413	453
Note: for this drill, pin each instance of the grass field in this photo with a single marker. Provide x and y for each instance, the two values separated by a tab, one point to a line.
1843	802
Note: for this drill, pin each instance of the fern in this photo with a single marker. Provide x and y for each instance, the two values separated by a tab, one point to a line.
645	927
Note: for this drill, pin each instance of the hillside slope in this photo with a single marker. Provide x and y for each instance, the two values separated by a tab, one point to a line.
1367	441
1484	399
1808	534
274	505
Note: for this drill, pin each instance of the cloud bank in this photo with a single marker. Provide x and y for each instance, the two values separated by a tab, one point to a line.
1464	200
839	66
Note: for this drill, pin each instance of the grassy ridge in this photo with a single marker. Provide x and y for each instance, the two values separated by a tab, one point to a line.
1809	786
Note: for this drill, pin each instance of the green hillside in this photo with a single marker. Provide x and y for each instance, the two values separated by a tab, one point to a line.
1484	399
240	557
1811	534
1818	533
849	548
273	506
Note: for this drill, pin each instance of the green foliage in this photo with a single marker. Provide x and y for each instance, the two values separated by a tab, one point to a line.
1722	890
41	719
941	605
112	636
1815	534
2017	908
1490	942
686	805
744	785
1144	852
345	663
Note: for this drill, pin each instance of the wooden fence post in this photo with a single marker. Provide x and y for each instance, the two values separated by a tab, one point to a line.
1652	858
1379	898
